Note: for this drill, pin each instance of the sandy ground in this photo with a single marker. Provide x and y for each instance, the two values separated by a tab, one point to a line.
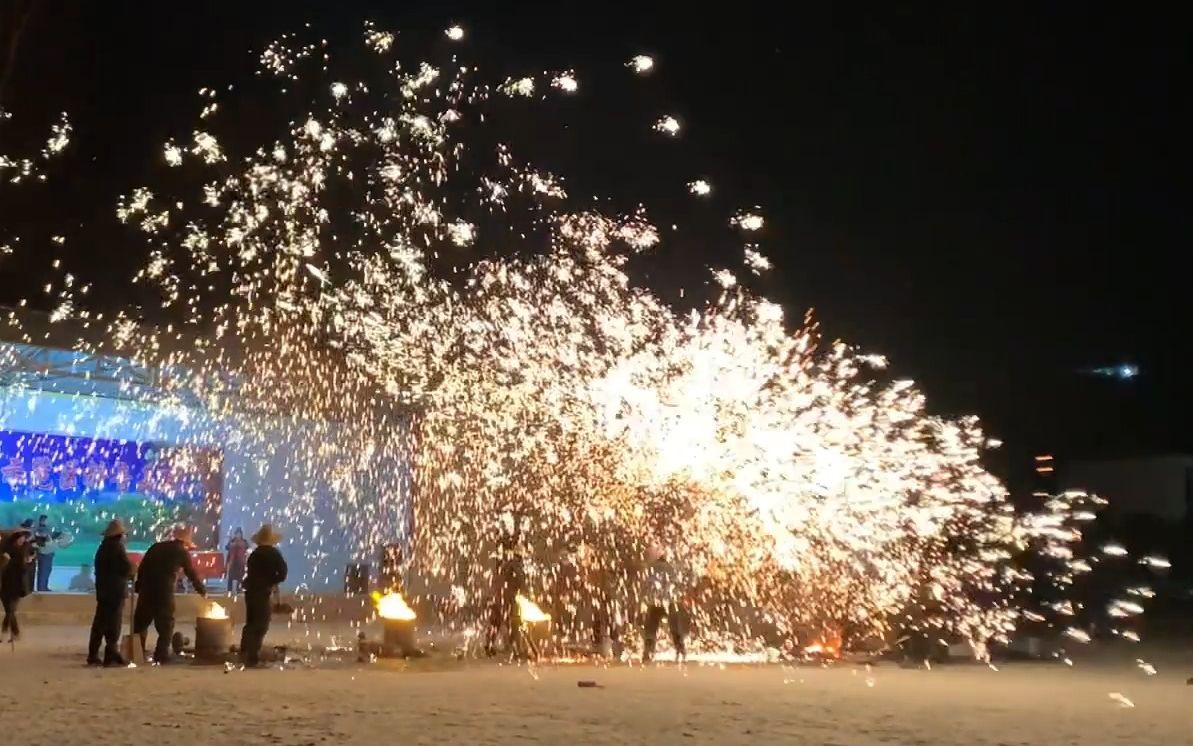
51	698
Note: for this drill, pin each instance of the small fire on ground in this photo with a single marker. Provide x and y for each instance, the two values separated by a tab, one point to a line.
215	611
828	646
393	606
530	612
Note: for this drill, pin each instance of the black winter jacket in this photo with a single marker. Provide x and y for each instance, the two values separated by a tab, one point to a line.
112	569
158	573
15	583
266	568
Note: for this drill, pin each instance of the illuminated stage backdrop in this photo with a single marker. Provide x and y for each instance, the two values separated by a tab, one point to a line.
82	483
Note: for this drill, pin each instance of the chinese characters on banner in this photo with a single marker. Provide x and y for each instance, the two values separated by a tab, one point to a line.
58	468
50	469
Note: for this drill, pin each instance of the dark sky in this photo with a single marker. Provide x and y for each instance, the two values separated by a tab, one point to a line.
994	197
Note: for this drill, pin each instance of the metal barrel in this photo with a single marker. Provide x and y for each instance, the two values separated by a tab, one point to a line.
213	637
399	636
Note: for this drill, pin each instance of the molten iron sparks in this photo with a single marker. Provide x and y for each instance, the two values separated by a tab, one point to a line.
529	611
801	485
393	606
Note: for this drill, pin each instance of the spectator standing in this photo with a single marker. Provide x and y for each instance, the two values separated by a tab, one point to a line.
15	583
237	560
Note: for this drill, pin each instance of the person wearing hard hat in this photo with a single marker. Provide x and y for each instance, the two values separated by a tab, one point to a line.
661	598
155	586
112	571
266	570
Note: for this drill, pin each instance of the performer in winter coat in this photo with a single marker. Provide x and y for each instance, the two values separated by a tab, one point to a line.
661	598
155	585
266	570
112	572
17	582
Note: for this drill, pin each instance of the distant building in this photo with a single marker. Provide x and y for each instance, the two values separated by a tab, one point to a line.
1160	486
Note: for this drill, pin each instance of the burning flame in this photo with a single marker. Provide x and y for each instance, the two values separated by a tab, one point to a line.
393	606
828	646
530	612
215	611
824	649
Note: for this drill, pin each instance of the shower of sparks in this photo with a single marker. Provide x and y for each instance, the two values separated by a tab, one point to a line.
461	233
642	63
534	385
700	188
756	261
455	33
519	87
748	221
566	82
378	41
59	137
173	154
668	125
16	169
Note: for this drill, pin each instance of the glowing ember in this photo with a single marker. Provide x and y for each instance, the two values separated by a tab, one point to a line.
566	82
215	611
641	63
530	612
749	221
393	606
668	125
828	646
817	648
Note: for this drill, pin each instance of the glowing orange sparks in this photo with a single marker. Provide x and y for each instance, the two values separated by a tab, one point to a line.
393	606
530	612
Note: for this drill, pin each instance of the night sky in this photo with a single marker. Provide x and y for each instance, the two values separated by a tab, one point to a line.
994	198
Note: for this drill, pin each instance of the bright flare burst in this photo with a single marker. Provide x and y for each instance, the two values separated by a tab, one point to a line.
642	63
393	606
749	221
529	612
668	125
336	274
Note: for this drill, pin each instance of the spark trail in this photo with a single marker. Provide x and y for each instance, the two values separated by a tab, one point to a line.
389	248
